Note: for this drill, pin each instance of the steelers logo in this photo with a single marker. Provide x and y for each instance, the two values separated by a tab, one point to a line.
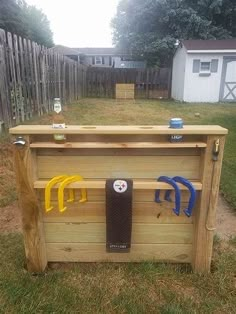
120	186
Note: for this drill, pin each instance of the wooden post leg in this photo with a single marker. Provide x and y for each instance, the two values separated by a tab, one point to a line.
205	219
33	233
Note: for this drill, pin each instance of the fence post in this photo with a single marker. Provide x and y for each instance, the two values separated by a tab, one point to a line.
147	83
6	118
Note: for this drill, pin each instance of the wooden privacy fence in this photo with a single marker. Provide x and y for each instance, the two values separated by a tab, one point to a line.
149	83
31	76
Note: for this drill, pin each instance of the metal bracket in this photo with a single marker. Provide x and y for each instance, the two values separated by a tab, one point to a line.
20	142
216	150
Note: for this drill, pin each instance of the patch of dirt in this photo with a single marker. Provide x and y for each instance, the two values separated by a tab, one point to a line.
10	218
225	220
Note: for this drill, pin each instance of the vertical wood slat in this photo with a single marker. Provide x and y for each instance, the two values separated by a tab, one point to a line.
13	83
43	65
28	86
35	248
21	107
32	78
23	80
206	214
63	80
5	101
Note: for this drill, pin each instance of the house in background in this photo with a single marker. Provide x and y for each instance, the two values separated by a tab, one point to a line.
66	51
101	57
205	71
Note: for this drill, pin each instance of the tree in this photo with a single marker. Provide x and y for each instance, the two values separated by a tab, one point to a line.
12	18
149	28
39	26
18	17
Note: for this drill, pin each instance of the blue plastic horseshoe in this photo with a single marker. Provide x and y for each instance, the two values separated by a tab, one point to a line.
177	193
192	199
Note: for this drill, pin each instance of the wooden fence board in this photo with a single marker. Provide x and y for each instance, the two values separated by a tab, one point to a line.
13	85
5	101
149	83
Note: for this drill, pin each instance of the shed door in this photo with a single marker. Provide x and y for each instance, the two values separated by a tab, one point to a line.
228	80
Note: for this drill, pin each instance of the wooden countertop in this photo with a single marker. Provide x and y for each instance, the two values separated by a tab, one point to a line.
113	129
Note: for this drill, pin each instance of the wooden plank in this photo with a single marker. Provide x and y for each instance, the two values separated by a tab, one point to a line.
47	65
7	78
28	84
35	250
36	77
119	152
100	184
83	252
57	76
13	82
206	213
213	201
23	78
142	212
96	233
63	77
6	116
21	102
95	129
120	138
125	87
117	145
139	195
43	71
125	94
34	109
136	167
125	91
147	84
54	75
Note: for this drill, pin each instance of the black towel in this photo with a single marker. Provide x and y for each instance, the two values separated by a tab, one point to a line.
118	215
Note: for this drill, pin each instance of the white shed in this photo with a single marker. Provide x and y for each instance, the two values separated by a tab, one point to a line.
205	71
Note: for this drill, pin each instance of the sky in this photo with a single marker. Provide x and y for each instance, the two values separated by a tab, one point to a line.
79	23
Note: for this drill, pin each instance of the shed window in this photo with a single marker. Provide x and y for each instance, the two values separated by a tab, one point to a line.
205	67
98	60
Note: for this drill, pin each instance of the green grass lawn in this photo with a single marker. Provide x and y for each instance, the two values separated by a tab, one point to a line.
116	288
124	288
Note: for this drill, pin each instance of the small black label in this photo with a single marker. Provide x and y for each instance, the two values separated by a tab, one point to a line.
176	138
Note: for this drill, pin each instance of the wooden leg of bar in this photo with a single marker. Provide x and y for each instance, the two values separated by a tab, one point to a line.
205	220
33	233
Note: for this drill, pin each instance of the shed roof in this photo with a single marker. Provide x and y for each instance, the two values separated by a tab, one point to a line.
224	44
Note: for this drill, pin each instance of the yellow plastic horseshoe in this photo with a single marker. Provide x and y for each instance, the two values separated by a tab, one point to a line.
48	188
62	186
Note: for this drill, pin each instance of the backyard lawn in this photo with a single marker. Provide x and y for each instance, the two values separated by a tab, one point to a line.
123	288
